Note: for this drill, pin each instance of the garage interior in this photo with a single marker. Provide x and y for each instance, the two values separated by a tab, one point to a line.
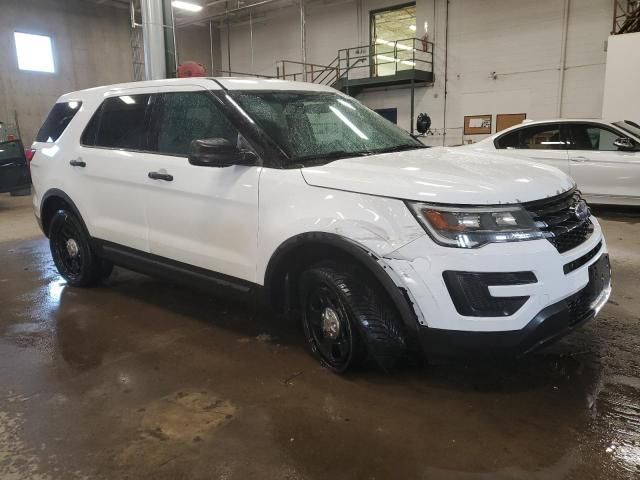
146	379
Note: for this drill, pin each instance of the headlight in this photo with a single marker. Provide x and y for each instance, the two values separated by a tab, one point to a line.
470	227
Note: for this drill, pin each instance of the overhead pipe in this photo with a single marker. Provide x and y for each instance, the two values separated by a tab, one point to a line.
227	12
153	39
211	45
303	41
132	9
563	58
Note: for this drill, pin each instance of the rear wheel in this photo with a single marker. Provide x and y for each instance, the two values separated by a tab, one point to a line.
348	320
72	253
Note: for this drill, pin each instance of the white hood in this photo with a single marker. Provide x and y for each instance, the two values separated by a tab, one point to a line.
442	175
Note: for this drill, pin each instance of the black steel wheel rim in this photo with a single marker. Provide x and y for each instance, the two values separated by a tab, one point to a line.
70	266
335	350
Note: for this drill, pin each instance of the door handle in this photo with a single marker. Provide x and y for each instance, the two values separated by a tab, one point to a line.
161	176
579	159
77	163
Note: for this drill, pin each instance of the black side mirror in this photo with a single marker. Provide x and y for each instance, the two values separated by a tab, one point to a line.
219	152
625	144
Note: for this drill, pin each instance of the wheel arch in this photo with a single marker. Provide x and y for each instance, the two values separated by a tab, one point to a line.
53	200
306	248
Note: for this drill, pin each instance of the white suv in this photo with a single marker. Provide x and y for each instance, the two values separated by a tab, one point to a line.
377	244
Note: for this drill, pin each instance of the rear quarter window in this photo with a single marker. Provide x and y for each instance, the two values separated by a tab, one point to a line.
57	121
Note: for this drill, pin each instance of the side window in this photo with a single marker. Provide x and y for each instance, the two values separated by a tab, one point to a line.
542	137
186	116
59	117
90	133
122	123
536	137
592	137
510	140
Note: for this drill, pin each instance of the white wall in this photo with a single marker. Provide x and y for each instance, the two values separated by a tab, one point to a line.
193	43
622	79
520	40
91	47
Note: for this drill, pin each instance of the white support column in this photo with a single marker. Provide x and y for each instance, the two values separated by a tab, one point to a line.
153	38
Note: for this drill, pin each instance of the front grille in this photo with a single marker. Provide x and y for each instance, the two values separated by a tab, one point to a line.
557	218
578	262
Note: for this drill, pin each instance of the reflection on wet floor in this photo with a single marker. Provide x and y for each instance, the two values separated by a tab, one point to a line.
145	379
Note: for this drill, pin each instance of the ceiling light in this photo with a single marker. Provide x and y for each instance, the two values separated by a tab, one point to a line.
188	6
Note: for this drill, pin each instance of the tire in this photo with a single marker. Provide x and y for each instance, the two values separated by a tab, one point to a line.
348	320
23	192
72	254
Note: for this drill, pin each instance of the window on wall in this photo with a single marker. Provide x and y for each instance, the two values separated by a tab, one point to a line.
35	52
392	31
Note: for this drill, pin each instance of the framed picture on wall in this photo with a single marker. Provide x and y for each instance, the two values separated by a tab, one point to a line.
477	124
506	120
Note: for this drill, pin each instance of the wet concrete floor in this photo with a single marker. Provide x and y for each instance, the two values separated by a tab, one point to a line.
143	379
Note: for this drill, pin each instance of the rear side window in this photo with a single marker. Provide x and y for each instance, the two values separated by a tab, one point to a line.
538	137
120	122
59	117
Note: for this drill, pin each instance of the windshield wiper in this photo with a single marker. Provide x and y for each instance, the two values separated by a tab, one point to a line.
399	148
332	155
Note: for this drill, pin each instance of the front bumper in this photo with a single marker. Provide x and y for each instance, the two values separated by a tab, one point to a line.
548	313
549	325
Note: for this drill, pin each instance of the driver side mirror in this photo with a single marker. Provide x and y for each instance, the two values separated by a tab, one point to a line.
625	144
219	152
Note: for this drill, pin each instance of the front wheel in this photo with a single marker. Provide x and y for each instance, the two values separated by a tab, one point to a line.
72	253
348	320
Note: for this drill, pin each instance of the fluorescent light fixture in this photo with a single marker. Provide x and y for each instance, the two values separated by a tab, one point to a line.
127	99
348	123
188	6
34	52
412	28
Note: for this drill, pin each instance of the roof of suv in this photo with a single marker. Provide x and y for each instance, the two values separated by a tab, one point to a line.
227	83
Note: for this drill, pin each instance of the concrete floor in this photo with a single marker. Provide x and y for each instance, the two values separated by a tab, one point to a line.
142	379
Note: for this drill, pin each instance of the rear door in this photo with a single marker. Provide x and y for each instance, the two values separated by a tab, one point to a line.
111	167
602	172
14	169
545	143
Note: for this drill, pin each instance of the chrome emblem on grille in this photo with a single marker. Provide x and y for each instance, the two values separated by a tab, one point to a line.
581	210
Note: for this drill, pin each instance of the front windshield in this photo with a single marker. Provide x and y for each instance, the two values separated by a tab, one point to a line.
322	126
630	127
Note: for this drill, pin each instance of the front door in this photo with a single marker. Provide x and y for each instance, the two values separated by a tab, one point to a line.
202	216
602	172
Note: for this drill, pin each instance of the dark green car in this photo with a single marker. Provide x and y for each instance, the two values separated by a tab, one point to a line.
14	168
